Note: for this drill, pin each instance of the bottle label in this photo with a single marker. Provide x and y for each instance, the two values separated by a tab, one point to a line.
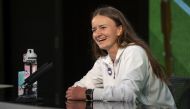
27	69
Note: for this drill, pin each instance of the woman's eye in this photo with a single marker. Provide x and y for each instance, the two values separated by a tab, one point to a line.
93	30
103	27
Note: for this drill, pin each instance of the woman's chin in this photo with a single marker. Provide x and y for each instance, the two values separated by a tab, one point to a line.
103	47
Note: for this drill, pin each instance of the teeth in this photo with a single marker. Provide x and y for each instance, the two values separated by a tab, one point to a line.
101	39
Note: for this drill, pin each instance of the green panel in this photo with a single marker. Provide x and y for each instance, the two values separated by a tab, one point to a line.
155	35
180	37
180	40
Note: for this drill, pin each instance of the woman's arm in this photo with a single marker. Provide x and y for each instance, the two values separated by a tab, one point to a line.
91	80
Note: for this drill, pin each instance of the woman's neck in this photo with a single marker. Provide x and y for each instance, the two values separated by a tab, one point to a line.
112	53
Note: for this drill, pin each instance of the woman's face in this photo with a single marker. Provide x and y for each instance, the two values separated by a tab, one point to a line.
105	32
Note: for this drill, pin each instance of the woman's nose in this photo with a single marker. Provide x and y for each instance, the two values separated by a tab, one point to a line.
97	32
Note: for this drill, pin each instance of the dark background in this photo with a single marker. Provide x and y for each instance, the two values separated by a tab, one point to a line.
58	31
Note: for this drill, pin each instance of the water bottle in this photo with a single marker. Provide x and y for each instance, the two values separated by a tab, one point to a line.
30	67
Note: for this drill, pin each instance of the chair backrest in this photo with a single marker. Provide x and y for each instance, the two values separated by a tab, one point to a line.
180	89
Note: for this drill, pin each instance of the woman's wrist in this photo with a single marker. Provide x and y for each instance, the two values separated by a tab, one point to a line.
89	94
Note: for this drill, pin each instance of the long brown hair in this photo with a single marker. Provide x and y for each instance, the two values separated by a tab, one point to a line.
128	36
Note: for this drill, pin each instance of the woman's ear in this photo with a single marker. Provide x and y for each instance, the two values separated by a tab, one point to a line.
120	29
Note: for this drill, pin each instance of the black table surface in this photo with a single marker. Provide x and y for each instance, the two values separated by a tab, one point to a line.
179	88
27	102
80	105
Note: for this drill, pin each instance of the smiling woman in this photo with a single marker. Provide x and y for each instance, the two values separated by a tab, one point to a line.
125	69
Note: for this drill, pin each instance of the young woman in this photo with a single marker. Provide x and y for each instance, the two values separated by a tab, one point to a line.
124	70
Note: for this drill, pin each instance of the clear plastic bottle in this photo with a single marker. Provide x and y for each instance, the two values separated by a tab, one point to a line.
30	66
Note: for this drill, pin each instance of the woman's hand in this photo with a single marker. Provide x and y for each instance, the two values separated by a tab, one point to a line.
76	93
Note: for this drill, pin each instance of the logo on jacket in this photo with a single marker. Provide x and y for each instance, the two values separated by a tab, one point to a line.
109	71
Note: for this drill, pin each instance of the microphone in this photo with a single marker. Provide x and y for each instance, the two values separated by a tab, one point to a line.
37	74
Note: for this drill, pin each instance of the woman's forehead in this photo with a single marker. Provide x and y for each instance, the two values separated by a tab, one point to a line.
101	20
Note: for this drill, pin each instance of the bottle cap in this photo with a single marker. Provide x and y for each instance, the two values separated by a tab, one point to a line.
30	56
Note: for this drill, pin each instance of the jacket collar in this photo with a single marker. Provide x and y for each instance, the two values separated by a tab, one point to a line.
107	59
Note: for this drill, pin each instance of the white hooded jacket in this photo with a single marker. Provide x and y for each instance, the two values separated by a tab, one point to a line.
129	78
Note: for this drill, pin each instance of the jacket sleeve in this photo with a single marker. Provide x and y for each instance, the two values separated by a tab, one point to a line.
93	78
133	69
